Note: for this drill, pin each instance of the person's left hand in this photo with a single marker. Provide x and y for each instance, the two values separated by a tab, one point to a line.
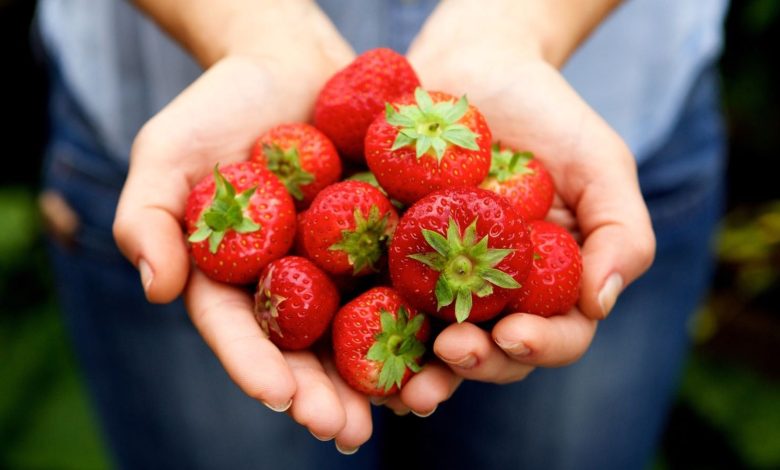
504	55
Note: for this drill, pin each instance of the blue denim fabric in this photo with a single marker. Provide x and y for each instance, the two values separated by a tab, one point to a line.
165	402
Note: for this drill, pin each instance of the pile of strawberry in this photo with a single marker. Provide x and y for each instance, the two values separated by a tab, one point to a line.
442	222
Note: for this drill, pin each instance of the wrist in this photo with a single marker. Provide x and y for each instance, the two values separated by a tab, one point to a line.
211	30
560	26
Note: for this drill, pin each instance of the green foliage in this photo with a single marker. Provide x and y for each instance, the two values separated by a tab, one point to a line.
44	418
749	244
19	227
759	15
742	405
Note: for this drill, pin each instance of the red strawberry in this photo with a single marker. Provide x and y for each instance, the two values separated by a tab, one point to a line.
348	227
426	142
523	180
302	157
553	285
298	247
238	220
460	254
352	98
368	177
295	302
378	341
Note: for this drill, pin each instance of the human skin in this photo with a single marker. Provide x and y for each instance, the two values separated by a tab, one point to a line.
506	59
246	89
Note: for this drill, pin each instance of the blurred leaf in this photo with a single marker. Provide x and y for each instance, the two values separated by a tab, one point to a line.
759	15
703	325
19	224
45	420
753	279
743	405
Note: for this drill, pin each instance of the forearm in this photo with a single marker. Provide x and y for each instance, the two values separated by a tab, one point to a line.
564	24
211	30
550	29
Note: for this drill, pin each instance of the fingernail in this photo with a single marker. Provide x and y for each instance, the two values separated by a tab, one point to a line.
147	276
378	401
609	293
424	415
320	438
515	348
466	362
279	409
346	451
401	412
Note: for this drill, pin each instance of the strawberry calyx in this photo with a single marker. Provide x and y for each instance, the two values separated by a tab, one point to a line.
431	126
267	306
286	165
365	244
506	163
226	212
466	267
396	347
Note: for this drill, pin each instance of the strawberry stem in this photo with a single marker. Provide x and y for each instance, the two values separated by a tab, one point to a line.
466	267
431	126
506	163
365	244
397	347
226	212
286	165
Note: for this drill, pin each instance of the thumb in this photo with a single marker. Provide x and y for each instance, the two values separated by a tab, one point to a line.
146	226
619	244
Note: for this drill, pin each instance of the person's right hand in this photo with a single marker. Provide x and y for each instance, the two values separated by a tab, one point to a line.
216	120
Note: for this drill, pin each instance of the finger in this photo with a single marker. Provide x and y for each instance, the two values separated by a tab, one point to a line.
561	215
434	384
549	342
358	427
395	404
223	316
595	175
146	225
172	152
316	403
472	354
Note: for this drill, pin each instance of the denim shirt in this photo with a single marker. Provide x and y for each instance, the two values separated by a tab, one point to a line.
635	70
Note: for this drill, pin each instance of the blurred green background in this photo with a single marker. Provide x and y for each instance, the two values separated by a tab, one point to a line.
727	413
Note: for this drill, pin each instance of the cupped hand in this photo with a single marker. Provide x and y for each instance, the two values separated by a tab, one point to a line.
506	64
216	120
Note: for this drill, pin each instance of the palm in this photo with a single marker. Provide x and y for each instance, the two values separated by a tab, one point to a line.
530	107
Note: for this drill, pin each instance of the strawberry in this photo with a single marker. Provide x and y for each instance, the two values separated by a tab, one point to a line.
378	341
302	157
553	285
425	142
352	98
295	302
368	177
298	247
523	180
347	228
460	254
238	220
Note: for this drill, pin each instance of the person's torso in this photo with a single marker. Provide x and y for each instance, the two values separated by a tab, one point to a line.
635	70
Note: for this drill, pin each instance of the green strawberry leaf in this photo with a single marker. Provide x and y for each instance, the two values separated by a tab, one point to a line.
226	212
365	244
428	126
396	347
506	163
466	267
